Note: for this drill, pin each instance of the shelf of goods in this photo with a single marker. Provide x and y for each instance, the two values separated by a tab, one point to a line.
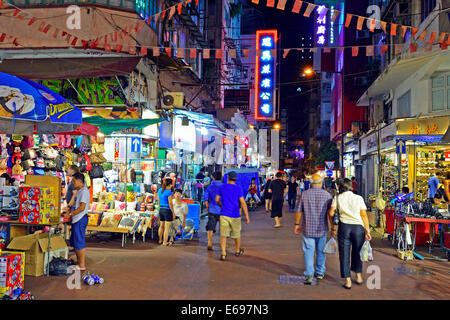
429	162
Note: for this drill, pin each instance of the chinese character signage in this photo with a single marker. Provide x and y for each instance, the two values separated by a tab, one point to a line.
265	103
320	27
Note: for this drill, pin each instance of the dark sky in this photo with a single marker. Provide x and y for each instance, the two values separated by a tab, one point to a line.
292	27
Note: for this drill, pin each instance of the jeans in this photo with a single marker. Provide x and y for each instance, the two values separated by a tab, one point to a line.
292	198
309	247
350	241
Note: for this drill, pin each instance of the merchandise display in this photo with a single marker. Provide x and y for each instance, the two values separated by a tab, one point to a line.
430	161
38	205
12	271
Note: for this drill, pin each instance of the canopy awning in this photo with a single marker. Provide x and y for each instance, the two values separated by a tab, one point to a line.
85	129
108	126
200	119
397	72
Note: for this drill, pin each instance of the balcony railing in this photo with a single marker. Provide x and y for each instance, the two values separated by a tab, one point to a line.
121	4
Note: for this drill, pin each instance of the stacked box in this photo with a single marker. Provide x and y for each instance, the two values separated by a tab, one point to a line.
9	197
12	270
37	205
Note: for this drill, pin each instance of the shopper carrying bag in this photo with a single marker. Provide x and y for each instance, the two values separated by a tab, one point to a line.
353	230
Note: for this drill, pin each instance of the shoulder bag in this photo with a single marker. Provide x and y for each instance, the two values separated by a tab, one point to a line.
337	215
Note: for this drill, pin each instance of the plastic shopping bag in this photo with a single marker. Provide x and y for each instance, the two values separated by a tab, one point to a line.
330	247
366	252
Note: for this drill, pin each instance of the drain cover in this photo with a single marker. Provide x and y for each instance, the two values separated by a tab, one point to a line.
287	279
421	272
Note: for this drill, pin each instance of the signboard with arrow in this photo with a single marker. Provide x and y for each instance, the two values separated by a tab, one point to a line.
401	146
136	144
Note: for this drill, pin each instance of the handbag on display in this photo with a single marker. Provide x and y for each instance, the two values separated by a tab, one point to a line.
81	163
28	142
40	162
88	162
50	164
337	215
96	172
3	164
29	154
68	141
37	140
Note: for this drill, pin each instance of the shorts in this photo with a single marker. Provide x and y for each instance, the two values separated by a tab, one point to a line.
77	236
213	219
277	208
165	215
230	225
267	196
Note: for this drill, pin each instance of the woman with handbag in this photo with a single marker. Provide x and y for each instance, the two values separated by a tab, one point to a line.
349	212
166	211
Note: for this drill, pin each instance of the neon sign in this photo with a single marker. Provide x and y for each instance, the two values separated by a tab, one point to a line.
321	26
265	103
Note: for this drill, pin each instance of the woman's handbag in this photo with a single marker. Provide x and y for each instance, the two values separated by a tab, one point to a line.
336	217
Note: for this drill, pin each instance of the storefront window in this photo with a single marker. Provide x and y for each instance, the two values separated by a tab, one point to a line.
404	105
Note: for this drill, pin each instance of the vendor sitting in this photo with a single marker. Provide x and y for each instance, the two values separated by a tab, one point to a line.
181	210
252	190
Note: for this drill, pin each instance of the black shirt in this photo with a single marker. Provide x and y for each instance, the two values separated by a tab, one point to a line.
293	187
278	186
200	176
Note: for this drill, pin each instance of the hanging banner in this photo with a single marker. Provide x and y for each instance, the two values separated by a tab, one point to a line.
265	103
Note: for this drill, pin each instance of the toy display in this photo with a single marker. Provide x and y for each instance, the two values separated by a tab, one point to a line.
37	205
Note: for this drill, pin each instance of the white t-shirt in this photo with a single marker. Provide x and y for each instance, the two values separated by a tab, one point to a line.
181	210
82	196
350	206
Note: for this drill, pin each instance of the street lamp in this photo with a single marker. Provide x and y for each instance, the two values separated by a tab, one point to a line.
276	126
309	71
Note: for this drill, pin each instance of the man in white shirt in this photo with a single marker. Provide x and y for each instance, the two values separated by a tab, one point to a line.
79	219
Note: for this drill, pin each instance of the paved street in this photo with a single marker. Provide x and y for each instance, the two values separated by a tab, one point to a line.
189	271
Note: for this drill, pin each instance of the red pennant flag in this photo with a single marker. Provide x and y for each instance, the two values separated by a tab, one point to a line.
369	51
326	50
156	17
2	37
119	48
423	35
297	6
47	28
398	48
355	51
21	16
136	27
335	15
143	51
348	20
383	26
168	51
180	7
393	29
206	53
414	32
281	4
384	49
32	20
232	53
448	40
163	14
270	3
132	50
85	44
428	47
16	12
74	42
64	33
94	43
15	42
180	53
68	38
313	50
149	20
188	1
285	53
310	8
193	53
107	47
172	12
2	6
55	33
156	52
141	26
255	1
372	25
444	46
219	54
412	47
360	23
196	3
432	37
404	28
441	37
246	52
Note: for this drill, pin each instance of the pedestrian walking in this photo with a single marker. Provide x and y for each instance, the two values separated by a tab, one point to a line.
79	219
292	193
278	188
353	229
267	195
354	185
166	211
312	211
229	198
212	207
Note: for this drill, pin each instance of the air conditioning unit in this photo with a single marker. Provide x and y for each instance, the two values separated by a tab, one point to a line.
173	100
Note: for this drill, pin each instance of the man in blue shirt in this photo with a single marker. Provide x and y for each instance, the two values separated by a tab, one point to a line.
433	184
212	207
229	198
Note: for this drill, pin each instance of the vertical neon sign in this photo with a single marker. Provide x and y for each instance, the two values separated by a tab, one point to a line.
321	26
265	103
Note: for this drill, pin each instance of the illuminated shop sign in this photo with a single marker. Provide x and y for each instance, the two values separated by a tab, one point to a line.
321	27
265	103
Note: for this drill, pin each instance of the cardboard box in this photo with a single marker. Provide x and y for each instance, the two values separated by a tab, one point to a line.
11	272
10	203
30	193
10	191
35	247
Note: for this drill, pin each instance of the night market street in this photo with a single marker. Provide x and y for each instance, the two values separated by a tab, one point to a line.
189	271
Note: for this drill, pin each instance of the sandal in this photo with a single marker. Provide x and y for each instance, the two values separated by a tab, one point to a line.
223	257
240	253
